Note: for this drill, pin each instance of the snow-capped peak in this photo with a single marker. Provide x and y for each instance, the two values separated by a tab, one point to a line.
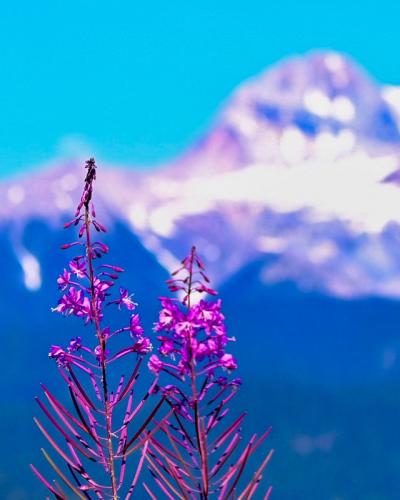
301	164
308	105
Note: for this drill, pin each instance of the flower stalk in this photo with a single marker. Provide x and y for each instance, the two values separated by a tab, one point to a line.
193	450
86	432
203	459
102	342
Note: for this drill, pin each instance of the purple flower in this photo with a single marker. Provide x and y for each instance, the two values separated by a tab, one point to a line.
64	280
167	347
75	344
143	346
71	302
186	327
228	362
101	355
78	267
209	316
193	332
155	364
95	392
202	351
134	326
170	315
85	311
58	353
124	300
194	339
212	347
101	287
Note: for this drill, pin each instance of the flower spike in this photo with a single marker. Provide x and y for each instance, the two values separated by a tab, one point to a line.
203	460
87	432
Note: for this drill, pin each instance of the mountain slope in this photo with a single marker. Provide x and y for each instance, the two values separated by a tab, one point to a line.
295	166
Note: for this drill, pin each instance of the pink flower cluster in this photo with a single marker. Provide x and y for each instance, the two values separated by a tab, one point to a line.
87	287
191	333
193	349
61	355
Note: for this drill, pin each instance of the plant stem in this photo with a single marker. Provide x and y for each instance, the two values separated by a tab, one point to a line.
200	437
102	343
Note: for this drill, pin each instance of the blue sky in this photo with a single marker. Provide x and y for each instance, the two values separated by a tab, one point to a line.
137	82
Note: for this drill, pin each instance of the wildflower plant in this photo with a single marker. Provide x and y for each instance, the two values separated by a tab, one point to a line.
104	426
196	452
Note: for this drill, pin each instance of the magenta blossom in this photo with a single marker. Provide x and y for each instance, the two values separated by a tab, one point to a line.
193	344
143	345
199	330
228	362
75	344
90	429
155	364
61	355
124	300
58	353
101	354
78	267
170	314
134	326
167	347
64	280
189	453
73	302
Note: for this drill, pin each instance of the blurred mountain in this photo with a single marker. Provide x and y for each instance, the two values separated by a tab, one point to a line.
294	167
292	200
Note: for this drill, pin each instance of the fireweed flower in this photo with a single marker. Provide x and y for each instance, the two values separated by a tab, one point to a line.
88	431
194	331
124	300
202	458
64	280
78	267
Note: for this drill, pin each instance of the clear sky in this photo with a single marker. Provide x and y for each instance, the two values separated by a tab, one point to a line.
138	81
